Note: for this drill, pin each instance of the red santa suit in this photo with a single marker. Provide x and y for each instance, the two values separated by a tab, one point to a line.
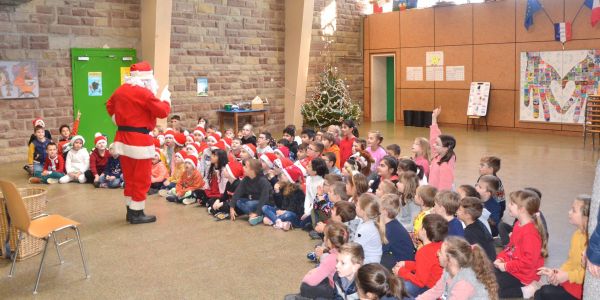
135	108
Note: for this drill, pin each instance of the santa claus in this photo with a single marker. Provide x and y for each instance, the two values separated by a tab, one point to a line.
134	107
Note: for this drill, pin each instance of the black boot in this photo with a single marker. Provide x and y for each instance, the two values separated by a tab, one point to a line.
128	216
138	217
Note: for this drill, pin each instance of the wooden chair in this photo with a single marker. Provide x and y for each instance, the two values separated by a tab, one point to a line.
591	123
42	227
476	120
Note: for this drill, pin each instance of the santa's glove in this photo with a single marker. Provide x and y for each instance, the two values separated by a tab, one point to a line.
165	95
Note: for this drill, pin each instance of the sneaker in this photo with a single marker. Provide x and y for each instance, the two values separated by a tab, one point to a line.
314	235
312	256
209	209
286	225
52	180
221	216
256	220
152	191
163	193
97	184
34	180
267	222
188	201
278	224
529	290
172	198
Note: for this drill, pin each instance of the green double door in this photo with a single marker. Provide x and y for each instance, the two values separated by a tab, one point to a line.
97	73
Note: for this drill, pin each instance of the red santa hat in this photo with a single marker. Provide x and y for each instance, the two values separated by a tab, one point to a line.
200	130
99	138
227	141
283	162
195	148
250	149
234	169
283	151
77	137
38	122
142	70
292	173
191	159
161	139
169	133
213	137
156	142
219	145
180	139
269	158
181	153
301	167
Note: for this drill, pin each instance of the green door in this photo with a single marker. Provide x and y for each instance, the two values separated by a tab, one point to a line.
390	89
97	73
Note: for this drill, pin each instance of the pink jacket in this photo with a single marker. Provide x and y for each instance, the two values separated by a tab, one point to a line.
462	290
441	176
325	270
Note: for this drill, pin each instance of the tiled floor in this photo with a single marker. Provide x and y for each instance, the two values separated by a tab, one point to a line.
188	255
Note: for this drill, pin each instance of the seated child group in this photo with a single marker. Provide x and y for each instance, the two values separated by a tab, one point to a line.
389	225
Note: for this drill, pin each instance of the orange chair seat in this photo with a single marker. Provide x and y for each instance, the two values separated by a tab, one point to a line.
42	227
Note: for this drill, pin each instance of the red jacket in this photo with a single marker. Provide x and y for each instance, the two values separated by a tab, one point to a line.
346	145
55	165
426	269
523	254
135	106
213	187
98	162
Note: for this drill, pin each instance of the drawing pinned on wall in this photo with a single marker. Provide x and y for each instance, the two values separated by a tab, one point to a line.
125	71
94	84
18	80
434	73
414	73
434	58
555	85
202	87
455	73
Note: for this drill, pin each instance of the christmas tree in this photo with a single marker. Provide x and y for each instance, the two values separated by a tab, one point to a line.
330	103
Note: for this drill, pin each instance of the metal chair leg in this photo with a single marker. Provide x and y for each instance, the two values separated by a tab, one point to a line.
37	281
85	269
14	260
57	248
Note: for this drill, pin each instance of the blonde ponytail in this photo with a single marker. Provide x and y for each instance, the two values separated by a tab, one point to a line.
369	203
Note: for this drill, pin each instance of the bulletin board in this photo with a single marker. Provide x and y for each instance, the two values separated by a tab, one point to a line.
479	97
555	85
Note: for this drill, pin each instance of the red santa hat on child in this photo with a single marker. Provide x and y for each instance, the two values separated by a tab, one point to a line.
283	162
181	153
179	139
213	137
301	167
99	138
227	142
220	145
169	133
292	173
38	122
250	149
77	137
156	142
200	130
191	159
195	148
161	139
269	158
141	70
283	151
234	169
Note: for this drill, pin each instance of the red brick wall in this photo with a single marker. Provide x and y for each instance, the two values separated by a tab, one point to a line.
238	46
44	31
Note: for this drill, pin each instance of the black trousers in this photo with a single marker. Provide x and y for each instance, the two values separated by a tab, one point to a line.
551	292
509	286
89	176
321	291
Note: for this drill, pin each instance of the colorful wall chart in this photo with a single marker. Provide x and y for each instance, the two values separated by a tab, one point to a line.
555	85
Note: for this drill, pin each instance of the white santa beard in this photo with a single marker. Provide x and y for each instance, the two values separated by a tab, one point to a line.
148	83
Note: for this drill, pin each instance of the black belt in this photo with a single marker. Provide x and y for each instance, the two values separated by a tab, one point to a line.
134	129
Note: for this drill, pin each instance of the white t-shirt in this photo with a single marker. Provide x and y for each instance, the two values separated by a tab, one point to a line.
368	237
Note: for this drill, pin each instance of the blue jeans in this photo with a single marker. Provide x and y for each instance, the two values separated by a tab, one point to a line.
113	184
247	206
288	216
38	167
413	290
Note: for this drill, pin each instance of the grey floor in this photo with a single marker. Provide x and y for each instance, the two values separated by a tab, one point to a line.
186	255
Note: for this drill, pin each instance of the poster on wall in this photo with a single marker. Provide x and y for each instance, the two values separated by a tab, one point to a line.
94	84
202	87
479	97
18	80
125	71
434	58
555	85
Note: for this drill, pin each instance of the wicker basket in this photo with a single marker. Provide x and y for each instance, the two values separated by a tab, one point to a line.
35	201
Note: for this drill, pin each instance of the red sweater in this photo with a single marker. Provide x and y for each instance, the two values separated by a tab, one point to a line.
426	269
346	145
213	187
98	162
56	164
523	254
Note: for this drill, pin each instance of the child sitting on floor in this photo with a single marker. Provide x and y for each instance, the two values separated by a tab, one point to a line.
425	198
288	199
66	133
393	150
171	182
349	260
159	173
399	246
37	151
98	159
190	181
475	232
374	281
487	187
54	167
112	176
220	207
446	204
78	161
370	233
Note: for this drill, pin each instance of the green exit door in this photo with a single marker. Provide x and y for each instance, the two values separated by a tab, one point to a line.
97	73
